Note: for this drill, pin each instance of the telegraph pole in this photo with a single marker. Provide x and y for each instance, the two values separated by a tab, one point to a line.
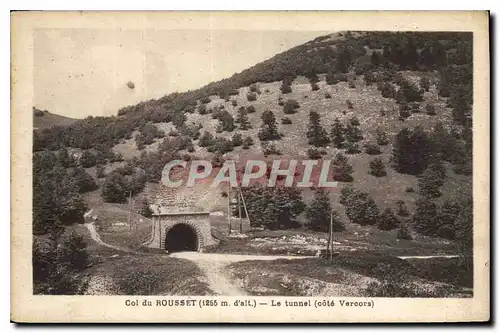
229	209
130	211
331	236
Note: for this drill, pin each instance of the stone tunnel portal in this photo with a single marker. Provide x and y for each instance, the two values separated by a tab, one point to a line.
181	237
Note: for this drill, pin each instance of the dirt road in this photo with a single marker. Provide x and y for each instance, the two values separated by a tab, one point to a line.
213	266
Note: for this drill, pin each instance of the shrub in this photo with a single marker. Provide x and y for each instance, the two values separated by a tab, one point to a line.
202	109
314	86
269	128
234	102
327	95
352	147
352	84
381	136
343	170
251	96
319	212
286	85
286	121
100	171
271	149
349	104
404	233
247	142
115	188
88	159
387	89
402	210
425	83
387	220
372	149
410	189
377	168
254	88
290	106
237	140
361	209
250	109
205	100
431	110
315	154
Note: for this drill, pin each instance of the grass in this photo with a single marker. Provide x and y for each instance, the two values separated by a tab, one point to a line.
143	274
352	274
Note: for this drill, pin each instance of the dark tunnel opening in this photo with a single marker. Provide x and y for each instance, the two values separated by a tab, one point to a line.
181	237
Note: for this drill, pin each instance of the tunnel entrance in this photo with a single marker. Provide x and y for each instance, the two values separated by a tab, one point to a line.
181	237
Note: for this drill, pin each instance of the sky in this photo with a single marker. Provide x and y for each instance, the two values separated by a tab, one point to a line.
82	72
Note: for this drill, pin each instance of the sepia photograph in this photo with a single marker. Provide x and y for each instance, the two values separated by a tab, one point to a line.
330	163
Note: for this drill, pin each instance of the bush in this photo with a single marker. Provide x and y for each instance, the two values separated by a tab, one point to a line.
250	109
290	106
237	140
205	100
352	84
404	233
372	149
115	188
271	149
314	86
234	102
327	95
202	109
361	209
381	136
247	142
431	110
349	104
377	168
315	154
286	121
387	220
286	86
319	212
100	173
402	210
254	88
251	96
88	159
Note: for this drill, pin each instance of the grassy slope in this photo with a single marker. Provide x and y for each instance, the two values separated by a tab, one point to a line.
51	119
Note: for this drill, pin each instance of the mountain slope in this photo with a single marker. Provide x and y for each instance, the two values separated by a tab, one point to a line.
45	119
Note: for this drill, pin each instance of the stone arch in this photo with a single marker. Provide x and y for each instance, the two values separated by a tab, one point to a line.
183	236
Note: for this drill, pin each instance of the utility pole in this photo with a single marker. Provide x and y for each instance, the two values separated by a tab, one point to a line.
327	254
331	236
229	209
239	210
130	211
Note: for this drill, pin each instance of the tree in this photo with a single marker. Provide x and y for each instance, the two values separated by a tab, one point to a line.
206	139
82	180
377	167
412	150
353	132
381	136
145	210
269	128
316	133
387	220
372	149
226	121
425	216
290	106
88	159
337	133
362	209
285	86
318	213
58	265
247	142
242	119
402	210
115	188
65	159
342	170
345	194
237	140
430	181
100	171
404	232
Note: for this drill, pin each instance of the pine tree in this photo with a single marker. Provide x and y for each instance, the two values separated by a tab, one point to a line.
425	216
377	167
353	132
382	139
286	85
237	140
242	119
402	210
337	133
226	121
318	213
411	151
269	128
387	220
115	188
316	133
362	209
342	170
431	180
206	139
